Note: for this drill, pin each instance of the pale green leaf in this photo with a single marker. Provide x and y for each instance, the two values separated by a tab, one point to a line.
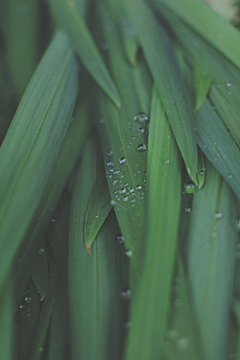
166	73
211	257
98	208
208	24
218	146
202	82
150	306
70	19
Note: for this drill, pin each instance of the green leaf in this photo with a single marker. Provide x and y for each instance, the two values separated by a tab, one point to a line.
226	112
217	145
211	61
98	208
6	324
21	42
45	315
211	257
124	146
166	73
70	19
58	235
40	271
150	306
68	156
208	24
94	280
32	144
182	336
26	321
202	82
58	334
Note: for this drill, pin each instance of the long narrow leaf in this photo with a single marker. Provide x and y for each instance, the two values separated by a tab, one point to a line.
150	307
31	147
211	26
211	258
72	22
164	68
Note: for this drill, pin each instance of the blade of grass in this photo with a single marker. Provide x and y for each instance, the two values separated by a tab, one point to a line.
211	258
228	115
166	73
182	333
202	82
98	208
40	271
124	145
199	51
26	321
21	41
45	315
94	288
31	147
6	324
208	24
57	232
217	145
69	154
70	19
150	307
59	336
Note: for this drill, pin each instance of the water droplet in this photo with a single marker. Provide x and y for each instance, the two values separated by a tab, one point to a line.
126	294
141	117
123	191
229	84
139	187
189	187
122	161
128	253
188	209
101	121
119	238
125	198
142	147
109	163
183	343
166	162
113	202
28	299
41	251
238	223
141	130
218	215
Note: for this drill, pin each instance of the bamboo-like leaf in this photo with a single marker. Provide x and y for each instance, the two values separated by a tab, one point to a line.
124	145
6	324
202	82
208	24
68	156
150	307
70	18
228	115
57	232
21	41
166	73
40	271
31	147
182	333
98	208
45	315
211	258
94	280
59	331
26	321
217	145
